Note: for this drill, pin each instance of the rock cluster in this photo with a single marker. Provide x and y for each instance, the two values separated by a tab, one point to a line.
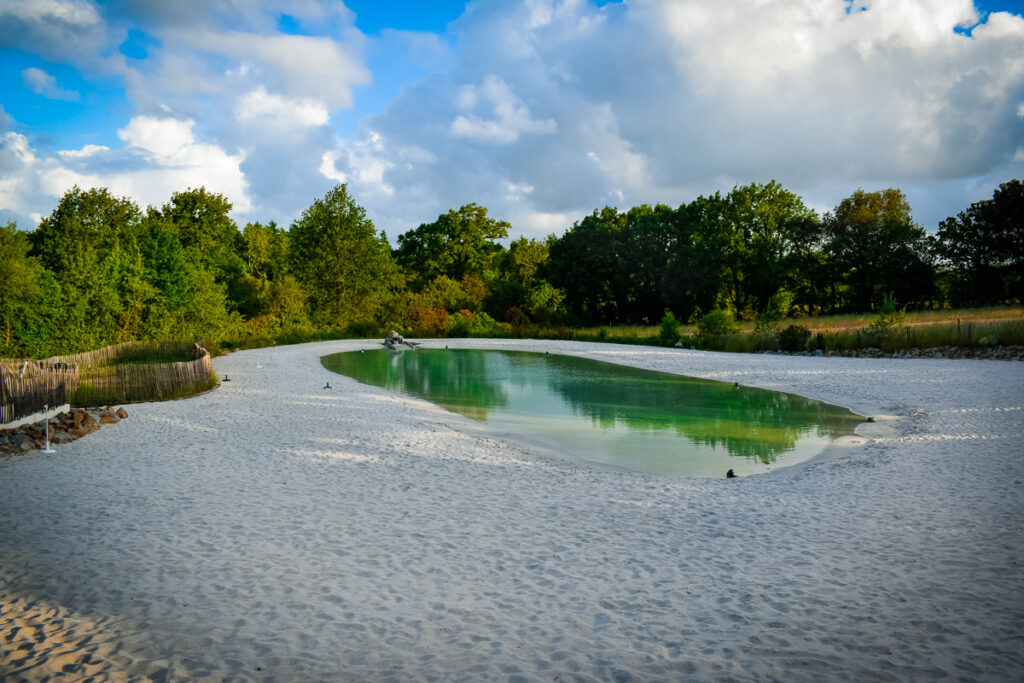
63	428
979	352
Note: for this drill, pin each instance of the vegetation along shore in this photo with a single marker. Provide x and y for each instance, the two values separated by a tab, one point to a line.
752	270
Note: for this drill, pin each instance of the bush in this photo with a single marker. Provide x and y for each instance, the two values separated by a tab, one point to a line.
364	330
669	332
794	338
460	324
716	323
483	325
429	322
889	317
778	306
515	317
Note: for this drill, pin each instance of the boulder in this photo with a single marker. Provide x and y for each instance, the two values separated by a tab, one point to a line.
121	413
88	425
107	418
62	438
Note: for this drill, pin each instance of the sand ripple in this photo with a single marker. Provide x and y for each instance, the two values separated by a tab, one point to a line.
271	530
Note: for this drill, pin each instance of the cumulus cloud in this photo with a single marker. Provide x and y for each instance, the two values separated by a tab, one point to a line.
511	116
660	100
299	66
259	104
160	157
56	30
541	110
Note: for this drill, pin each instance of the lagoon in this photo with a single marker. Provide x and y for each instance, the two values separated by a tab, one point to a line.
610	414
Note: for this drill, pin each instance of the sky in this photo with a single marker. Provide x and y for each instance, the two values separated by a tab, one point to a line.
540	110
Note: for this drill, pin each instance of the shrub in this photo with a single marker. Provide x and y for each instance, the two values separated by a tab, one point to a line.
515	317
716	323
429	322
363	330
889	316
669	332
460	324
483	325
766	321
794	338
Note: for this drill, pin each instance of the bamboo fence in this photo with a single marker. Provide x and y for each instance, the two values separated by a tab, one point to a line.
121	373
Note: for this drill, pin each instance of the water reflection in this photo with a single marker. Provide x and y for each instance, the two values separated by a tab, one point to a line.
638	419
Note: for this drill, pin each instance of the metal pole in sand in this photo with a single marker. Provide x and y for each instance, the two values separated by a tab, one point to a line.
46	430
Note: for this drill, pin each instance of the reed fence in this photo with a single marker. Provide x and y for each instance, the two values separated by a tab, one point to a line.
25	389
121	373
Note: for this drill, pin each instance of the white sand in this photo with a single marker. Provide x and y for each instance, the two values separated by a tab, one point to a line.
273	530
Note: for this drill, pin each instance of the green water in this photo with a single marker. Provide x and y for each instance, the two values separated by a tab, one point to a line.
585	409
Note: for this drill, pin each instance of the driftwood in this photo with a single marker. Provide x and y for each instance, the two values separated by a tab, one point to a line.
397	342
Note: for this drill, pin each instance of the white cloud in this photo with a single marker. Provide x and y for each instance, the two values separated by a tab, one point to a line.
657	100
161	157
16	159
80	13
299	66
259	104
86	151
42	83
56	30
329	170
512	117
543	110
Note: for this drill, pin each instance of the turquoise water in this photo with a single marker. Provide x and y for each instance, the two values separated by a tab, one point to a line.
611	414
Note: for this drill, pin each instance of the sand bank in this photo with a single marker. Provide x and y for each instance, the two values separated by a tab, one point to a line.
275	530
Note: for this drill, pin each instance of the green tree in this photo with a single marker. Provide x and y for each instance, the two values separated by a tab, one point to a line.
205	229
584	263
336	254
1006	214
874	245
971	248
668	333
766	231
266	250
519	280
90	243
457	244
28	296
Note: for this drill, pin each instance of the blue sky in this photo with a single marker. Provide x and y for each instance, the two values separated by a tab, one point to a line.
541	110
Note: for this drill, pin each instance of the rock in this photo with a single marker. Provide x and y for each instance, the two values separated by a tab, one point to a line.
87	426
18	437
121	413
26	446
107	418
62	438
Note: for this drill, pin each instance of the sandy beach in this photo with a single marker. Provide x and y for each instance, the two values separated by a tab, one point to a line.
274	530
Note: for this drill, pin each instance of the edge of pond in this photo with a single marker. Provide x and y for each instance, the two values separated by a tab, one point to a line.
863	432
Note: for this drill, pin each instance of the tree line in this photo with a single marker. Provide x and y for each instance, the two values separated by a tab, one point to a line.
100	270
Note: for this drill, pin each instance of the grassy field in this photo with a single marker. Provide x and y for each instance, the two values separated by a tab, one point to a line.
966	328
834	323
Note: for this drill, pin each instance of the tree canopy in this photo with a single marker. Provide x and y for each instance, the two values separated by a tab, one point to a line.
99	270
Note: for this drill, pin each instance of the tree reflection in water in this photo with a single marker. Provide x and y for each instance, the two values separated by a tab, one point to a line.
541	393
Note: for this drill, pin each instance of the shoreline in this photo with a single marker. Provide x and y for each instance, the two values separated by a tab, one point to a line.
274	530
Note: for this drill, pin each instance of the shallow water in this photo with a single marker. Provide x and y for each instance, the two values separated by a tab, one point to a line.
611	414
